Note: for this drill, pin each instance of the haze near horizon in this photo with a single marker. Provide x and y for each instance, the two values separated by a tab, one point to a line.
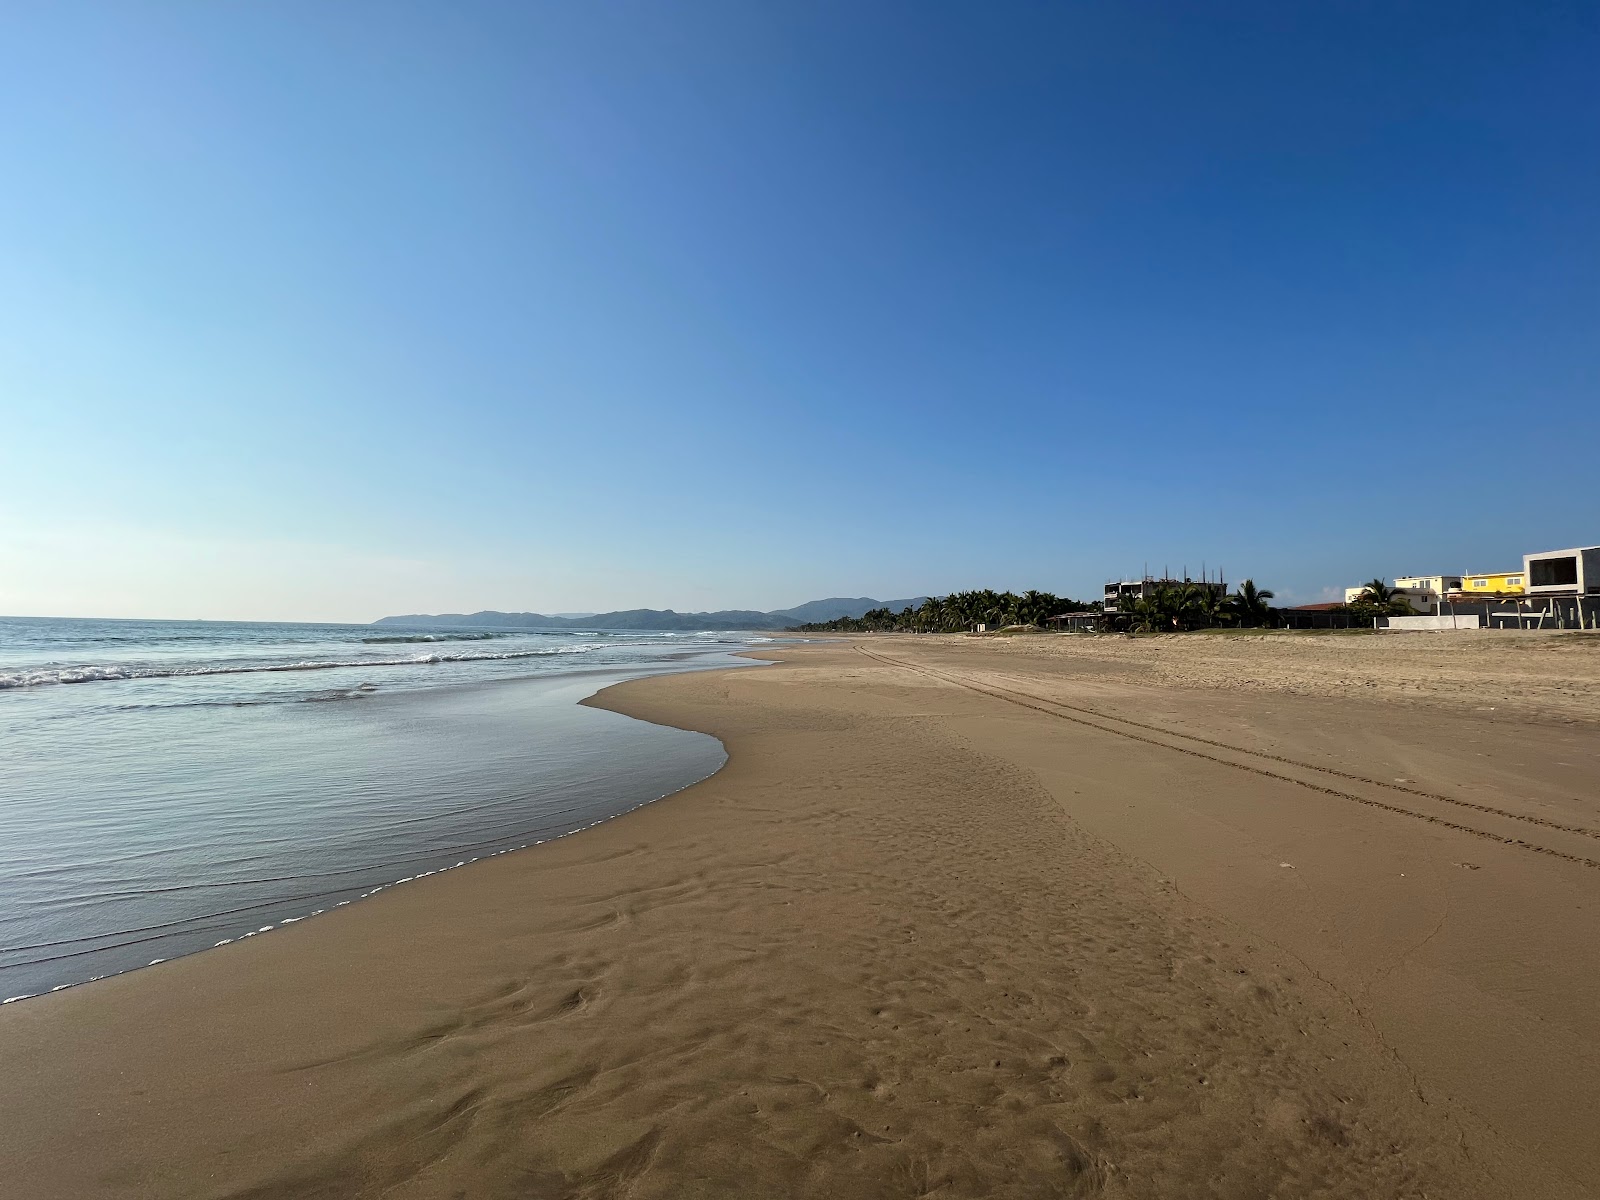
318	313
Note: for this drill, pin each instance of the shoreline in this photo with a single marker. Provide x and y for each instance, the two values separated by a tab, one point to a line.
889	947
423	862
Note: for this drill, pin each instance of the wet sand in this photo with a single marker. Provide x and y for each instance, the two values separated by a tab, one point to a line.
959	918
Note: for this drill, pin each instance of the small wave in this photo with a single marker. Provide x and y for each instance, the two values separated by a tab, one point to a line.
432	637
106	674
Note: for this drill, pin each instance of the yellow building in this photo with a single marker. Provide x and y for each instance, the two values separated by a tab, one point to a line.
1496	583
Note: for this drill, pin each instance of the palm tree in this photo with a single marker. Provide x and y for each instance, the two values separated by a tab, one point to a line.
1189	607
1149	612
1212	606
1251	603
1165	609
1380	592
877	619
1034	606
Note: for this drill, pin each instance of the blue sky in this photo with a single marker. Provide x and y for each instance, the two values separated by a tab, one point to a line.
330	311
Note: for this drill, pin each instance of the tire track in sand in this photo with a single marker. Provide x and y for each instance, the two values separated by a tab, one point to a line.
1054	708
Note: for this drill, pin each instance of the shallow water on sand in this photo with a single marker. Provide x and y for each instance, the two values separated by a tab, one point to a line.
167	802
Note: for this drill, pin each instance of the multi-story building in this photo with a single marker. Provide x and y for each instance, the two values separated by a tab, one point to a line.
1559	589
1425	591
1573	572
1121	596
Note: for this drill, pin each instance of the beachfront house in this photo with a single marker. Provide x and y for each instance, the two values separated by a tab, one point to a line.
1426	591
1421	592
1573	572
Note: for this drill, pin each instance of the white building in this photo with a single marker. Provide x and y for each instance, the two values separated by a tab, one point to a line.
1427	591
1573	572
1422	592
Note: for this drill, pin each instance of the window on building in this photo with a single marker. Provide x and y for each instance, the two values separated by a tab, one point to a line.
1513	580
1480	583
1554	572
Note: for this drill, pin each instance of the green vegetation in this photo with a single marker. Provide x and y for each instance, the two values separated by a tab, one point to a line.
1167	609
1376	591
957	613
1378	599
1174	608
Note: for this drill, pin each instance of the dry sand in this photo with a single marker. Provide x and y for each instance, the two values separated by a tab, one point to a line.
959	918
1506	671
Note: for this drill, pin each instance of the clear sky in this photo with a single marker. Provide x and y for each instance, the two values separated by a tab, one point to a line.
327	311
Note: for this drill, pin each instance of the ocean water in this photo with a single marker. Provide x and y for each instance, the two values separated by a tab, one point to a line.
169	786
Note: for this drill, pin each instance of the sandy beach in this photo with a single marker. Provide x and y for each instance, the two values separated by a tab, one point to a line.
1030	917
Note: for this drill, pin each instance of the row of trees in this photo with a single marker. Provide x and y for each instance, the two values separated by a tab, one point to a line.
1166	608
1172	608
958	612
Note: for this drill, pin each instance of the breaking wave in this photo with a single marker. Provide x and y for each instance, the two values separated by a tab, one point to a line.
432	637
36	677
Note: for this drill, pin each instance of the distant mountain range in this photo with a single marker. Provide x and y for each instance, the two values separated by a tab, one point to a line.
830	609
